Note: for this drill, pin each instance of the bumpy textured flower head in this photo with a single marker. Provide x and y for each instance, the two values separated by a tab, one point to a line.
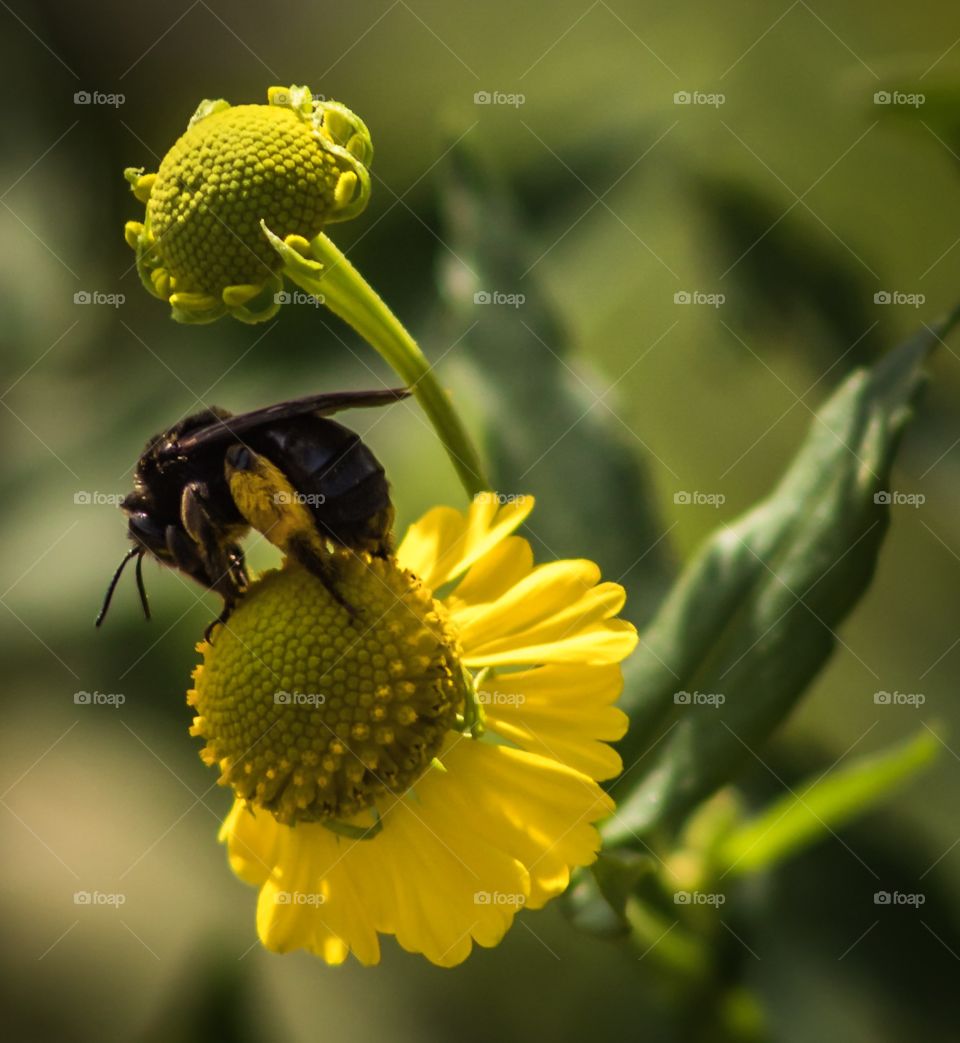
291	166
426	766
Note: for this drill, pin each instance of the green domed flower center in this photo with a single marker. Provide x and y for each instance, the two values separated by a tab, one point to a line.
231	170
313	714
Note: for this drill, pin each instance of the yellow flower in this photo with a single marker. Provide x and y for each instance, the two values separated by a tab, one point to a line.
424	763
291	167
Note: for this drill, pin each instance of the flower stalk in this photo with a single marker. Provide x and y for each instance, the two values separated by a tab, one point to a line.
320	268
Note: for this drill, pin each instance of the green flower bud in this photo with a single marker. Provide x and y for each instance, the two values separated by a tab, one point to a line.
293	166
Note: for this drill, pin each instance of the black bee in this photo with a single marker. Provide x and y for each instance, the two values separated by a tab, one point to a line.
305	482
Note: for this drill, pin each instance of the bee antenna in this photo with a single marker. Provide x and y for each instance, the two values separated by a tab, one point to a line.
141	589
116	579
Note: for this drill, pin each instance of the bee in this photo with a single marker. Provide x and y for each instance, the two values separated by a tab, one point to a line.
307	483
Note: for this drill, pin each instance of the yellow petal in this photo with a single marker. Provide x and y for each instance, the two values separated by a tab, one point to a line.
455	861
428	541
564	591
444	543
530	807
444	887
562	711
608	642
426	878
310	900
251	843
494	574
556	613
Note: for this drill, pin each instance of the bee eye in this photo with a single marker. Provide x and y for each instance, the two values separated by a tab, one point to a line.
145	530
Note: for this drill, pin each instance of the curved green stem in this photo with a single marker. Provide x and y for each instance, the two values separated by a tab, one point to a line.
346	293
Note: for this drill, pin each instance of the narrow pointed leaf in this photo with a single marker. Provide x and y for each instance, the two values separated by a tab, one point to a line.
824	804
754	616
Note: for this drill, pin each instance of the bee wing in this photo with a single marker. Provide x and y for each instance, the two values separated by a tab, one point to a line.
229	428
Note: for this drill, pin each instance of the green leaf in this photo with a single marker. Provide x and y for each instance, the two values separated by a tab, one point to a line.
822	805
754	616
597	898
547	432
795	285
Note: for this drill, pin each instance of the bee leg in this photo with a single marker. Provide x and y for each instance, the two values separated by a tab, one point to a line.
222	561
384	544
185	553
272	506
303	552
222	618
238	567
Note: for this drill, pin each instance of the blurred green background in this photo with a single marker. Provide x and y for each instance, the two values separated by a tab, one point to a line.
796	197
